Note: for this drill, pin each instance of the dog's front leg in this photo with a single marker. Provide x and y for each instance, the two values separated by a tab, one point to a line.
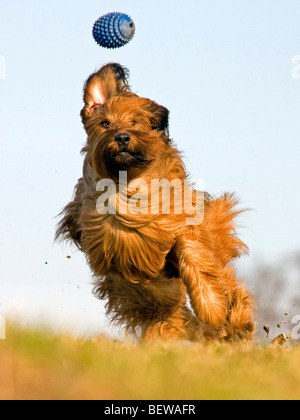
200	273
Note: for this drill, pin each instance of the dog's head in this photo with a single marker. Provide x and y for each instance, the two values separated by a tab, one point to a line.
125	132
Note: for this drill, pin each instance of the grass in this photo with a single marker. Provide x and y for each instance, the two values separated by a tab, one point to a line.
34	365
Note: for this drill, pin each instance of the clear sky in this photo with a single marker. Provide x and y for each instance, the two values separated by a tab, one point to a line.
226	69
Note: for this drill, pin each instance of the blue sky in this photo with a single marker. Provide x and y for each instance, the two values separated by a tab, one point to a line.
224	69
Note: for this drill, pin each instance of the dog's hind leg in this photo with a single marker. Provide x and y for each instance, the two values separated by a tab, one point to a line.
172	328
172	319
181	325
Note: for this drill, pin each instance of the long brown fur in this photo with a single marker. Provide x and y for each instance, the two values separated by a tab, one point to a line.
147	265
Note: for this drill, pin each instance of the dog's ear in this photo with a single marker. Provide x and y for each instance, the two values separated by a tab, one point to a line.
159	117
109	81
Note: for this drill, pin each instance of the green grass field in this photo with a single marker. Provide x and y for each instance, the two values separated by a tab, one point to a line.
36	365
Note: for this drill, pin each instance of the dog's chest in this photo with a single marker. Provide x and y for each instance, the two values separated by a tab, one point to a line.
135	250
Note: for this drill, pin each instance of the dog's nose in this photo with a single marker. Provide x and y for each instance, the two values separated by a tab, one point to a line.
122	139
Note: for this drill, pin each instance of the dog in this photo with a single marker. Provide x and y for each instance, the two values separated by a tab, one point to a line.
162	278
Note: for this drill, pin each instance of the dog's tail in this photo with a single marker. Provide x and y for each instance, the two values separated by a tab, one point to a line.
221	223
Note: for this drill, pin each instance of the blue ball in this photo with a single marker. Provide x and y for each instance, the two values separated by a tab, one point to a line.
113	30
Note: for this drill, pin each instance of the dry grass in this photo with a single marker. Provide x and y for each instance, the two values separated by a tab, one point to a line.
36	365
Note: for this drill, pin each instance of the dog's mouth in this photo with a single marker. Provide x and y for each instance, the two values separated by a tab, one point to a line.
110	161
127	157
124	154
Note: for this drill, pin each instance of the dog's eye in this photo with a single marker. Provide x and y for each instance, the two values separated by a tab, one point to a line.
133	123
105	124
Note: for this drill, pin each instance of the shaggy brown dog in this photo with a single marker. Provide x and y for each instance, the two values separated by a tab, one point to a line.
146	263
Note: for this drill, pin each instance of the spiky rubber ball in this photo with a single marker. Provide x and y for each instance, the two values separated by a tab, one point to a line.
113	30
